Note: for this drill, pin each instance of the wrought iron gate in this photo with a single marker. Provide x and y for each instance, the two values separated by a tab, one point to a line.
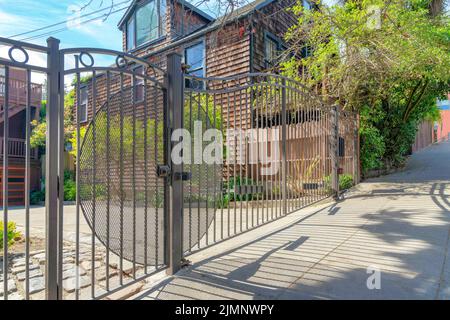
116	232
283	149
137	211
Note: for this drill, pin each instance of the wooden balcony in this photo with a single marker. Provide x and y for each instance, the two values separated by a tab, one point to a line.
16	149
18	96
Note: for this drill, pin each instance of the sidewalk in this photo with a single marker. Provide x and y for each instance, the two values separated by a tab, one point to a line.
397	224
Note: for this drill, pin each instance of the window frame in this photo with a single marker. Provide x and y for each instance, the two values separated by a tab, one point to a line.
161	28
268	36
84	89
203	66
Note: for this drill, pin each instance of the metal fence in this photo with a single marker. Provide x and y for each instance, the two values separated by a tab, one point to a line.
261	146
281	146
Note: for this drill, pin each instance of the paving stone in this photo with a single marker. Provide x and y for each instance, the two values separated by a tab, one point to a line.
71	283
15	296
35	252
19	269
11	287
100	274
37	284
40	256
32	274
71	273
127	292
87	265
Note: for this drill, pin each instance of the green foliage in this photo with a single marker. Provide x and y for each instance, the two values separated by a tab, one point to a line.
345	182
12	233
391	68
37	196
70	191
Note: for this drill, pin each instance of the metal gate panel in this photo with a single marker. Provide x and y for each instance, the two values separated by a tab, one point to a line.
279	143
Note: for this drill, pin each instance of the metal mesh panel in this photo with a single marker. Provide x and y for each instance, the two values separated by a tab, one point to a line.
120	194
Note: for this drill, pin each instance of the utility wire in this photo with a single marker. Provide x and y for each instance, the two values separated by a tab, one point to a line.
70	20
41	35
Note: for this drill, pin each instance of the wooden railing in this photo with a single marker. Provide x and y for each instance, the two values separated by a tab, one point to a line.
18	92
16	148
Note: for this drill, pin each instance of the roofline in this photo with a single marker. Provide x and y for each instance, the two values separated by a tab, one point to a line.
183	2
203	31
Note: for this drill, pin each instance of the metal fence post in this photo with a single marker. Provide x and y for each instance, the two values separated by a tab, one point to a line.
174	231
356	168
283	146
335	152
51	172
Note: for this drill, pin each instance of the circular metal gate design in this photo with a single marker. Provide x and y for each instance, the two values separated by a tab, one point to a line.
120	194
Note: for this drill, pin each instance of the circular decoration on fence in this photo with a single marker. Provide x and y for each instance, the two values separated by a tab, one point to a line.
21	50
122	200
121	62
91	59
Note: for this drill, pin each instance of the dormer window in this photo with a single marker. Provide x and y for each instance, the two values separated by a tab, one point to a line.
146	24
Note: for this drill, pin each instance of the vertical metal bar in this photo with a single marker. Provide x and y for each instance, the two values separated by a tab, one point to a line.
5	184
247	108
175	100
157	194
228	164
234	163
199	182
215	172
241	181
190	181
355	149
60	173
133	169
51	172
283	150
222	196
146	178
77	183
27	186
108	169
258	170
207	123
94	178
121	178
335	152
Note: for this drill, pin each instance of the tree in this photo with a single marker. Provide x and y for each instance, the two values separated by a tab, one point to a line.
389	60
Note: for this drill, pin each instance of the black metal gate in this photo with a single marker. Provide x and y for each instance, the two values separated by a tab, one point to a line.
283	149
273	148
116	232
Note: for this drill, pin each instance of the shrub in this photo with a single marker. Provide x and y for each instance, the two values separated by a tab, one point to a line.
12	233
345	182
37	197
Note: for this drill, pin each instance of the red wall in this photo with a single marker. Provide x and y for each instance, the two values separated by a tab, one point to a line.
443	130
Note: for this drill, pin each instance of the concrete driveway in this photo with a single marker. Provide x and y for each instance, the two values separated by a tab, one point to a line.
387	240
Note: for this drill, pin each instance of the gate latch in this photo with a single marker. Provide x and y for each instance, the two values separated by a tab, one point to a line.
163	171
184	176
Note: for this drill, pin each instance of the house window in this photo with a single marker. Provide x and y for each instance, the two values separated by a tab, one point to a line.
194	58
146	24
139	85
83	104
273	48
130	34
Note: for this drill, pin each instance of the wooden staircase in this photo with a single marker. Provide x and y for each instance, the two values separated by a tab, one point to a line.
16	185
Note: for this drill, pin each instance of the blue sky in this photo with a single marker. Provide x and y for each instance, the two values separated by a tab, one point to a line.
17	16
